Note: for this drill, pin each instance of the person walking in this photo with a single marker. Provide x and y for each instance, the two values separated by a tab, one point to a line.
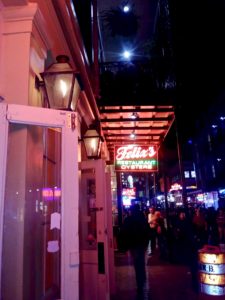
161	235
136	237
152	216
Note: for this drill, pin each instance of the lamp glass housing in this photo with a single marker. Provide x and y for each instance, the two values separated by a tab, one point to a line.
92	143
61	84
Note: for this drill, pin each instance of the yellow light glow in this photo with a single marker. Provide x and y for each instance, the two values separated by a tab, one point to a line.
63	87
93	146
211	258
212	279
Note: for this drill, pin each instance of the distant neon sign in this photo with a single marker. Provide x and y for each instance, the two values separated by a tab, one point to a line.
175	187
50	194
130	192
136	158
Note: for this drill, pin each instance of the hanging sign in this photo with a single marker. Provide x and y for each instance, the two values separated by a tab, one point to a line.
136	158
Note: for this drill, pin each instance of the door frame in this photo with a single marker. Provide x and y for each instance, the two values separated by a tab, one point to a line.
20	114
103	289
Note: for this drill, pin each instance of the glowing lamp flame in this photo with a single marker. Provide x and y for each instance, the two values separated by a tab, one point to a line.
63	87
93	145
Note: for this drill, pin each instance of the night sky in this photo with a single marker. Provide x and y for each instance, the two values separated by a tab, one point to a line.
198	34
199	42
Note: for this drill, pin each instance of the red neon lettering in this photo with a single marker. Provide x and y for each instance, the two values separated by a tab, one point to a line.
57	193
134	152
46	193
128	192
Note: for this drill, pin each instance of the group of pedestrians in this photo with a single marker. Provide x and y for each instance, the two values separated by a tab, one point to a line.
177	236
183	229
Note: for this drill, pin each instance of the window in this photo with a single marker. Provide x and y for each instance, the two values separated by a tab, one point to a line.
193	174
186	174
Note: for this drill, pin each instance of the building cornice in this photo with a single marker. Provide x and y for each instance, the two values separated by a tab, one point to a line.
25	19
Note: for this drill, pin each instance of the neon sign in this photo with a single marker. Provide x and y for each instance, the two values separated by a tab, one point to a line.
50	194
175	187
136	158
130	192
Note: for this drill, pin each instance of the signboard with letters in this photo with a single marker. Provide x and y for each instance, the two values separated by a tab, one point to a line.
136	158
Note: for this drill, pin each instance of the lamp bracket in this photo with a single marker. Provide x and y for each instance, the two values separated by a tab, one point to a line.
38	83
73	121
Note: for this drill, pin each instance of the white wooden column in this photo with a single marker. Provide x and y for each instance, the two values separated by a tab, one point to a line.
24	46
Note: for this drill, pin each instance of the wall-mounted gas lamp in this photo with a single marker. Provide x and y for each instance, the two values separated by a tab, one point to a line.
62	84
92	141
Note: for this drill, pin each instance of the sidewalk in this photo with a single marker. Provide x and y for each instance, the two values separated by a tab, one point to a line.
164	281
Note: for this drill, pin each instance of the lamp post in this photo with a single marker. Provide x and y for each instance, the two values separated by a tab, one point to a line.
61	84
180	160
92	141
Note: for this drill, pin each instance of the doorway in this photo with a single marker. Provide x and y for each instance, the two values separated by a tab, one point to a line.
96	239
39	205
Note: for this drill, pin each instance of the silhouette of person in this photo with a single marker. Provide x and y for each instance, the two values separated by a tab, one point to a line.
136	235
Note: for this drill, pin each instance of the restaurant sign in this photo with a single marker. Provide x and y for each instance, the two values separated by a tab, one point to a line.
136	158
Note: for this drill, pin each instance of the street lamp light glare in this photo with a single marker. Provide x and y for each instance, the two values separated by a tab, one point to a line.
127	54
126	8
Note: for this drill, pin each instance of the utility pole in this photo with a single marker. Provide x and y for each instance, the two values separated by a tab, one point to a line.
180	161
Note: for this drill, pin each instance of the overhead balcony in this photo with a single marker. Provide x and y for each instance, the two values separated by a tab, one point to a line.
137	82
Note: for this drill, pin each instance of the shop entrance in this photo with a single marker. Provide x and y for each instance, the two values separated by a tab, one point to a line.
38	205
96	241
